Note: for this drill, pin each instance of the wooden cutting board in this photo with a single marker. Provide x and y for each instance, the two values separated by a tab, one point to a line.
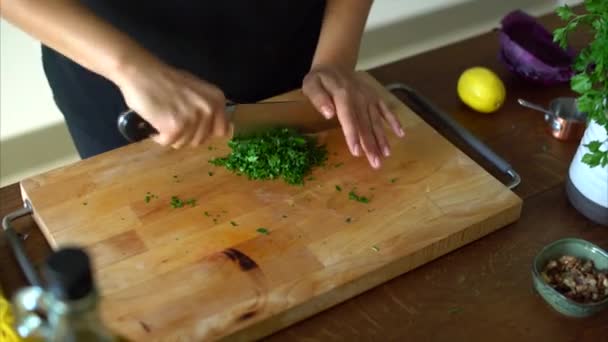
204	272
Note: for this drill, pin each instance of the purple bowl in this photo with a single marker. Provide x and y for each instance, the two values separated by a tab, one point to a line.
527	49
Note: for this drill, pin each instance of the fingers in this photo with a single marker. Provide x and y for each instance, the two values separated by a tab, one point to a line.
201	130
200	115
348	120
190	123
170	130
319	96
391	119
368	138
378	129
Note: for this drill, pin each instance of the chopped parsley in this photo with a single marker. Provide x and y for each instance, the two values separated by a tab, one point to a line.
274	154
263	230
176	202
149	196
353	196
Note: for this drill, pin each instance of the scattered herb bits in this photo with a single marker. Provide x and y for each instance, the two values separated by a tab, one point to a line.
176	202
348	220
375	248
338	165
393	180
338	188
353	196
455	310
263	231
210	173
234	224
149	196
206	213
274	154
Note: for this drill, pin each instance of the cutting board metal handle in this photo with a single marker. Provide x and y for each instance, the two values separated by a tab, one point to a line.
424	104
15	243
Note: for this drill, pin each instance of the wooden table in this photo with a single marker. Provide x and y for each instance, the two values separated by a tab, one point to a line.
482	291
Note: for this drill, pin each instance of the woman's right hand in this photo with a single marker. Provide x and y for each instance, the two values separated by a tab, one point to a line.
184	109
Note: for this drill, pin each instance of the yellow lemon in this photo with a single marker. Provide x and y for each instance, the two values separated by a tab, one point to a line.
481	89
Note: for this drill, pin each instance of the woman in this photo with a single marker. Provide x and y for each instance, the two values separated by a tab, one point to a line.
175	63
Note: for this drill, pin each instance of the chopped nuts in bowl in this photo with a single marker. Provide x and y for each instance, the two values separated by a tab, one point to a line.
572	276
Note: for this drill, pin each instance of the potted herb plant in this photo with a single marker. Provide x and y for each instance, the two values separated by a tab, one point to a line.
587	182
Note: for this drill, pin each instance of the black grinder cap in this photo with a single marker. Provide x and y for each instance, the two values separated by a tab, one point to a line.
68	274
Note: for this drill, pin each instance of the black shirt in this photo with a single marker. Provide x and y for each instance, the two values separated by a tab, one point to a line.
251	49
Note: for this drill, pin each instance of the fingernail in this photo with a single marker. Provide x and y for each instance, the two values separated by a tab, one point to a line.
386	151
327	112
376	162
357	150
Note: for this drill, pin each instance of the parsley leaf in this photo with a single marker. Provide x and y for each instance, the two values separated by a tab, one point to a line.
263	230
353	196
564	12
176	202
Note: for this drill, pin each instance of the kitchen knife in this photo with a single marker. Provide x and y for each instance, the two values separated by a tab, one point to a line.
246	119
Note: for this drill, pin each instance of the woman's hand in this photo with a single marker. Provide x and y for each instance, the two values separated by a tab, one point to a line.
359	109
184	109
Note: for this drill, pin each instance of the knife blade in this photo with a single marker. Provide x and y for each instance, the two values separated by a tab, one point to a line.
245	118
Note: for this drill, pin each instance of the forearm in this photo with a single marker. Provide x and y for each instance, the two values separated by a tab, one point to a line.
341	32
74	31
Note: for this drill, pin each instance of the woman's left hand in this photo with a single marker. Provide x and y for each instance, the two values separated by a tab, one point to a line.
360	110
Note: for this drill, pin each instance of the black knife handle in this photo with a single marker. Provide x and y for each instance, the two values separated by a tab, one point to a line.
133	127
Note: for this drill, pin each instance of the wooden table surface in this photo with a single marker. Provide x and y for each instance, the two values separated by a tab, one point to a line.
482	291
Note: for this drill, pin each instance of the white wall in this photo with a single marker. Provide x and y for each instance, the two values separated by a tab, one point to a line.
33	138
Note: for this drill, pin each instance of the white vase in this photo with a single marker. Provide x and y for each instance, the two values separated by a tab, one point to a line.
587	187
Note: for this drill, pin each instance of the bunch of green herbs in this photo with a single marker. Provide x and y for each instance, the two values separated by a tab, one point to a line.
591	67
